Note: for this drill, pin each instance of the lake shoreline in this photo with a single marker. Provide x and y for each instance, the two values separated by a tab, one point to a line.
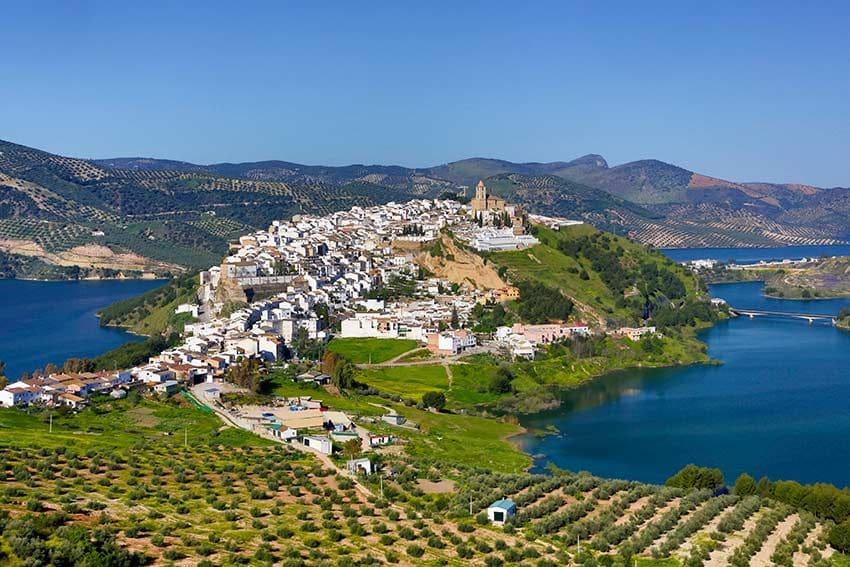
43	322
98	279
748	412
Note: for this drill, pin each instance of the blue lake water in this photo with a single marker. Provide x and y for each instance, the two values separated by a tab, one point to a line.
43	322
779	405
753	255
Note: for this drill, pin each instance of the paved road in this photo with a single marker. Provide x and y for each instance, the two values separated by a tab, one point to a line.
235	421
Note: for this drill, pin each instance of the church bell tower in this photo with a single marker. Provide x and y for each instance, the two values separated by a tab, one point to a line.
481	192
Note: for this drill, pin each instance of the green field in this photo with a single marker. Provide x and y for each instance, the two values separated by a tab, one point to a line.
552	268
469	385
548	265
153	312
229	498
120	424
371	351
447	438
409	382
464	439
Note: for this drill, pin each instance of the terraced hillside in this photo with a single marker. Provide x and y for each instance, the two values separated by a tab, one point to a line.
655	202
109	485
91	219
627	519
76	217
608	277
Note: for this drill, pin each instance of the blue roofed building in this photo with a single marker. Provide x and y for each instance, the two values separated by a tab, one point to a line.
499	511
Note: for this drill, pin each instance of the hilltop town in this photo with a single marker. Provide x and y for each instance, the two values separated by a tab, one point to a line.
355	274
69	218
388	458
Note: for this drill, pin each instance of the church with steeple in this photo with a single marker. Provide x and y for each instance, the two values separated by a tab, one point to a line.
494	211
483	202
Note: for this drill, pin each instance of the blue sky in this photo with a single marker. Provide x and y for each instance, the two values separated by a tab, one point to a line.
742	90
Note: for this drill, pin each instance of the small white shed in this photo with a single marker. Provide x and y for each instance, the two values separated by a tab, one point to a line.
499	511
320	444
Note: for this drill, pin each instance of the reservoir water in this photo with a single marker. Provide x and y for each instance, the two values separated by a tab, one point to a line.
754	255
43	322
778	405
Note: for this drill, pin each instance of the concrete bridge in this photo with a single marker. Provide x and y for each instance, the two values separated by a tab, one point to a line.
810	317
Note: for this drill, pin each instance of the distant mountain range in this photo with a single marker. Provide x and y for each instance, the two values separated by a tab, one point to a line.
655	202
96	217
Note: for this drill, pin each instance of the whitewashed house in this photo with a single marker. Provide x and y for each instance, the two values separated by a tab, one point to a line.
12	396
154	374
321	444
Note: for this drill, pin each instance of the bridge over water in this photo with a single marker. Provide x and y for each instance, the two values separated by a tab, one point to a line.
810	317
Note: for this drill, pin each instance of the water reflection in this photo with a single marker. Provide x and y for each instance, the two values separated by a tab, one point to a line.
777	405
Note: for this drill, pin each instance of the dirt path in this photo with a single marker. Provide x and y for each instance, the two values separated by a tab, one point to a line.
486	348
762	557
800	557
720	556
430	362
629	512
406	353
659	512
710	527
324	459
591	313
682	519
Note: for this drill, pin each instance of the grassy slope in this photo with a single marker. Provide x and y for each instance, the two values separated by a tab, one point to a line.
548	265
118	424
469	385
364	351
406	381
469	440
152	312
619	354
444	437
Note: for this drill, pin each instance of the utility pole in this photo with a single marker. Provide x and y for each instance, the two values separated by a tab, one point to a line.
186	437
578	545
470	504
382	484
51	422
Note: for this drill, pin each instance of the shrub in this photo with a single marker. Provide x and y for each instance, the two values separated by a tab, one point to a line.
839	536
694	477
435	542
414	550
434	399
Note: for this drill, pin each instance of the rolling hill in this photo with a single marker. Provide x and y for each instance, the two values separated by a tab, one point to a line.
67	217
676	207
